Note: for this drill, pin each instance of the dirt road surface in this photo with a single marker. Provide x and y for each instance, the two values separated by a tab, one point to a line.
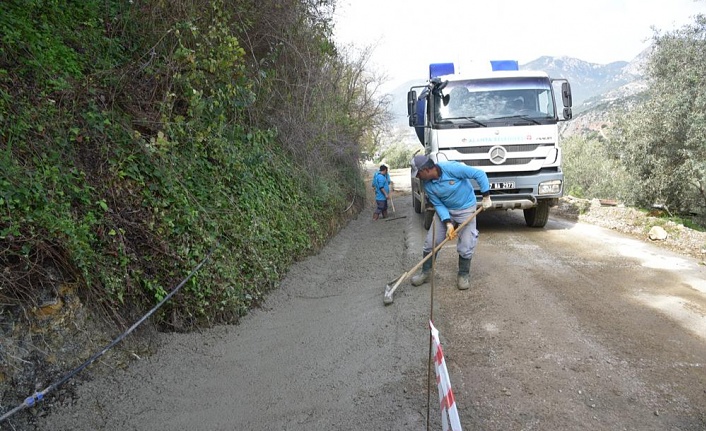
571	327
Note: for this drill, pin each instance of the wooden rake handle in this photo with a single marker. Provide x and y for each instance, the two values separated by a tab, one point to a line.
401	278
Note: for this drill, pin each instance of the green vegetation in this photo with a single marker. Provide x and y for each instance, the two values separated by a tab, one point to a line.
398	155
591	171
662	139
654	152
139	136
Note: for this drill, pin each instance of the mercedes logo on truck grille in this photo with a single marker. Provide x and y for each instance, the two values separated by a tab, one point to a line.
498	155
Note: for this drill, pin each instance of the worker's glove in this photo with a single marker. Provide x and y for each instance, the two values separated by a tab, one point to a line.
486	203
450	231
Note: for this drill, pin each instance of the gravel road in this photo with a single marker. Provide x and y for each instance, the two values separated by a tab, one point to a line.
571	327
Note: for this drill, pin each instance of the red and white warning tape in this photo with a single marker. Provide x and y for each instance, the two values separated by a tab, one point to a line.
449	412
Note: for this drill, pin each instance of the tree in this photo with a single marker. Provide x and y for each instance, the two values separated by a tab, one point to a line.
662	142
592	171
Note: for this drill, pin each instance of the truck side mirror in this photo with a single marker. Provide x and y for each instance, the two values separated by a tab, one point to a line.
411	103
568	114
566	95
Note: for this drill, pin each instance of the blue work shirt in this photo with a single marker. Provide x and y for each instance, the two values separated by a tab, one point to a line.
453	190
381	181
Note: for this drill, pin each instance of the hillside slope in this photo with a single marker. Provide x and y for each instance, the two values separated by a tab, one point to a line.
154	150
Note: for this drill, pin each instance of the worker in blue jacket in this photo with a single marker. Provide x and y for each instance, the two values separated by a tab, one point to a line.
381	184
448	187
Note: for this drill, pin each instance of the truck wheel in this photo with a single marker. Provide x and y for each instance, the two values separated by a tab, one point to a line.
416	202
428	218
537	216
417	205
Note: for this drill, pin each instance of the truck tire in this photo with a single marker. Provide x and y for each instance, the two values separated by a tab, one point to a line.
537	216
428	218
416	202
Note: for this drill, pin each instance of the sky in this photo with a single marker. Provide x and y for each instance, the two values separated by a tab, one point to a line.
407	35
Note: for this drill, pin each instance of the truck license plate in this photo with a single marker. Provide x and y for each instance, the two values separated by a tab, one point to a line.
500	186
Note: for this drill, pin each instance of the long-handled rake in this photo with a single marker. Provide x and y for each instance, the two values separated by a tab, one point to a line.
394	284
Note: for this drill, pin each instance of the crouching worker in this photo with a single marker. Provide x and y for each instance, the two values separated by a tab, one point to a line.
448	187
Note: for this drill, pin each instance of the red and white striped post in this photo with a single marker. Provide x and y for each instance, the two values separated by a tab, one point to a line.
449	412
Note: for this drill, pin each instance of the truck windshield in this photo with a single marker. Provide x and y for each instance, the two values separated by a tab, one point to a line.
496	99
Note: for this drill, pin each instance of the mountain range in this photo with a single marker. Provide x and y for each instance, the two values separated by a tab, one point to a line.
593	85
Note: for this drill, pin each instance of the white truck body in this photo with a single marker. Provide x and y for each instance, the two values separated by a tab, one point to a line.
503	122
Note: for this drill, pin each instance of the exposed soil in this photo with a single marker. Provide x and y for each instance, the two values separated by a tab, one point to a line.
571	327
636	223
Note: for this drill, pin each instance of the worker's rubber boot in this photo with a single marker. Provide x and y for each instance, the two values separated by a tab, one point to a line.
423	276
384	214
464	268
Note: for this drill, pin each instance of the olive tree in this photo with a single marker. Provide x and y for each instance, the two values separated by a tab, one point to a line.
591	171
662	141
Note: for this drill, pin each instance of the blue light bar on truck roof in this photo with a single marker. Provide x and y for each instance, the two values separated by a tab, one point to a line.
440	69
504	65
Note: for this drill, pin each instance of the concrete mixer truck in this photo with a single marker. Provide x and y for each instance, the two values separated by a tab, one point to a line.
503	121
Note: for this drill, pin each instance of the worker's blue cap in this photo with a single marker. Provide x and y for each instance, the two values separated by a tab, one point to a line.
421	162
